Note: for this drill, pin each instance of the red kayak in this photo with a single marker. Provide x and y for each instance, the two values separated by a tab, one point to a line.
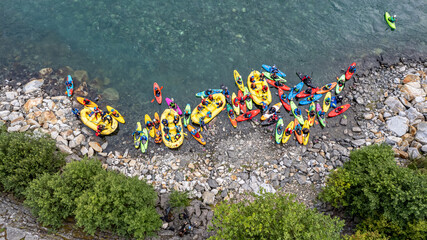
337	111
307	93
157	95
278	85
284	100
349	74
241	98
248	115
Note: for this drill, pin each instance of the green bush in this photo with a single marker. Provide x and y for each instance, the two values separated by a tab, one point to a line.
365	236
52	197
272	216
372	186
179	199
23	157
419	164
125	205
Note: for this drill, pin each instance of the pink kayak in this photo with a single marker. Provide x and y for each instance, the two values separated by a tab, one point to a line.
176	108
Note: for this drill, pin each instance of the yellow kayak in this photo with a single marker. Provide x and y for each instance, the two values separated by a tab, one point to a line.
327	102
239	81
288	132
305	137
208	112
86	102
149	122
172	133
115	114
235	104
93	122
259	89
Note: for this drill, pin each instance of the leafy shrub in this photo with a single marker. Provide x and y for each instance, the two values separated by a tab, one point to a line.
419	164
272	216
23	157
372	186
179	199
52	197
365	236
125	205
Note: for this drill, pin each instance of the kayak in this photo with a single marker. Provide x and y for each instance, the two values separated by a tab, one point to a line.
176	108
279	79
115	114
349	74
340	84
284	100
235	103
288	132
270	120
248	115
306	81
239	80
310	99
297	112
231	115
390	24
309	91
321	115
88	103
173	135
93	122
271	111
339	110
206	93
157	132
298	131
334	102
248	98
158	98
149	125
295	90
269	69
196	134
69	89
305	137
260	91
137	135
144	140
311	114
187	113
241	99
327	102
278	134
210	111
278	85
328	87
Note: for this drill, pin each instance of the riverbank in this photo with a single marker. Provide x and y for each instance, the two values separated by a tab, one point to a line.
388	105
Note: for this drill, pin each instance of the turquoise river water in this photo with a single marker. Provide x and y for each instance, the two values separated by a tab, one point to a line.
189	46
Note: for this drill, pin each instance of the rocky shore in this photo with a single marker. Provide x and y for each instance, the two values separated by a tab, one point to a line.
388	104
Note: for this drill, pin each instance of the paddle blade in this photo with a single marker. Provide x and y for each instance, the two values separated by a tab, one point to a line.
161	87
152	100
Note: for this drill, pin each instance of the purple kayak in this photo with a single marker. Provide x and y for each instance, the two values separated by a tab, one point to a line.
176	108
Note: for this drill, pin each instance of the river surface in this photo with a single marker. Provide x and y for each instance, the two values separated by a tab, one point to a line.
189	46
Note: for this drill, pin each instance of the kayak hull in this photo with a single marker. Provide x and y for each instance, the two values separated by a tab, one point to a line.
340	84
298	131
321	115
305	137
157	130
137	135
187	114
232	116
144	144
307	101
69	89
339	110
280	86
279	131
311	118
118	116
158	98
295	90
248	99
176	108
151	129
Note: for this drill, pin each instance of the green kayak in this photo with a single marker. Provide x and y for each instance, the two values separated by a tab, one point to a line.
187	115
268	75
248	98
391	24
297	112
321	115
340	84
279	131
144	140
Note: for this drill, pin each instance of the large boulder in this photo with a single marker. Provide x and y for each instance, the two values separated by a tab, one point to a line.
412	90
32	103
398	125
48	116
33	86
394	104
411	78
421	135
414	116
111	94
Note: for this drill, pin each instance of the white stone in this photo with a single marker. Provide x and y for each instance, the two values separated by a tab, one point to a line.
421	135
208	198
11	95
394	104
33	86
398	125
84	150
96	146
79	139
64	148
14	128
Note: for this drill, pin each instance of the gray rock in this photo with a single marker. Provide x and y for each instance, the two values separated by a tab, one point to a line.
302	167
208	198
287	162
424	148
234	185
358	142
33	86
243	175
320	159
392	140
421	135
394	104
11	95
413	153
414	116
64	148
344	121
14	128
212	183
301	179
15	233
195	221
368	116
179	176
398	125
315	177
356	129
79	139
84	150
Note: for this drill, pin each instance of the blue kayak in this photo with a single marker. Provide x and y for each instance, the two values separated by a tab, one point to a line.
269	68
206	93
307	100
295	90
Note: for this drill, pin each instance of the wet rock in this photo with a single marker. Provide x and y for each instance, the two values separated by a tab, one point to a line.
398	125
301	179
111	94
80	75
45	71
32	86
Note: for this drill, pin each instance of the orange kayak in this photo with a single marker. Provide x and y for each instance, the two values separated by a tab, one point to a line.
159	96
196	134
298	131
